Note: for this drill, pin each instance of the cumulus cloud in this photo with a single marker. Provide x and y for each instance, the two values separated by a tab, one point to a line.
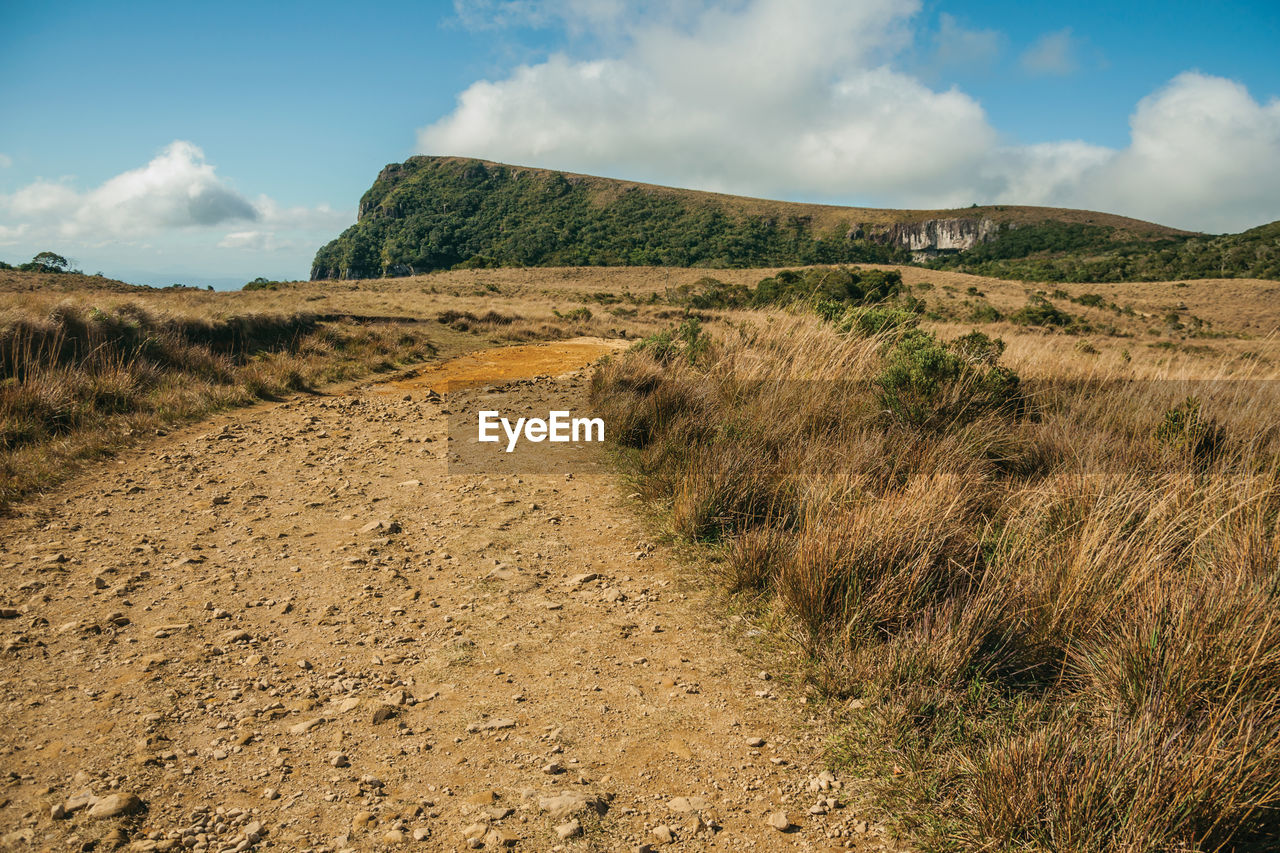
803	100
765	99
177	200
1052	53
176	189
1202	151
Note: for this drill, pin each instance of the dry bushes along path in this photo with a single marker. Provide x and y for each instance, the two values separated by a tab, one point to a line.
290	628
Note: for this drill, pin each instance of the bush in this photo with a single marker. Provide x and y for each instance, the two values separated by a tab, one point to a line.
869	322
1041	312
1186	429
261	283
708	292
686	340
985	312
928	384
846	285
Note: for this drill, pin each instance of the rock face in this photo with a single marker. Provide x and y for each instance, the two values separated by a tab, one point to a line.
933	237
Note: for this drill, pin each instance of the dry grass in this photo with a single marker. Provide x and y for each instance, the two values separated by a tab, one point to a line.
77	380
1054	626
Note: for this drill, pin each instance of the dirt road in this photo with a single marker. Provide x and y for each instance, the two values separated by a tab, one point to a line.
291	628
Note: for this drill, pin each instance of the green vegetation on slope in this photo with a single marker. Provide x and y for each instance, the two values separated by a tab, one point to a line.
1072	252
431	214
436	213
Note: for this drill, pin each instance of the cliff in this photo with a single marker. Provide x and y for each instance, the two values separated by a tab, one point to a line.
932	237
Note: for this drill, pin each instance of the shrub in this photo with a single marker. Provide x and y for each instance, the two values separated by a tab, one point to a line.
985	312
869	322
1186	428
708	292
1041	312
926	383
261	283
686	340
849	285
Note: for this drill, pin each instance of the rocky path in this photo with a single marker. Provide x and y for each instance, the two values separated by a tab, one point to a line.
291	628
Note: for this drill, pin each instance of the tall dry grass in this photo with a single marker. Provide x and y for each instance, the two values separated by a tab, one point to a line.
1049	626
76	380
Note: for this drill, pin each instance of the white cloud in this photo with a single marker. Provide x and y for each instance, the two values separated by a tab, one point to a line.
11	235
179	205
956	46
5	161
1202	151
1052	53
766	99
794	99
176	189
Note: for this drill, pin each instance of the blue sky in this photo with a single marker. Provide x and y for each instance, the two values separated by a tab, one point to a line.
165	142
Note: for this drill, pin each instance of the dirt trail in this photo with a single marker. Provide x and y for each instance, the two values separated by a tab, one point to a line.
506	363
290	628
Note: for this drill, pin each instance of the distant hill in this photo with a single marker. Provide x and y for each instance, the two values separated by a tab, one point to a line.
1072	253
433	213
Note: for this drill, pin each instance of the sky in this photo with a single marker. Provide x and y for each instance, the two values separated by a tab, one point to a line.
214	143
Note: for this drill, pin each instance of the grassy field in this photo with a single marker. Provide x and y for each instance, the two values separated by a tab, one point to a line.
1033	573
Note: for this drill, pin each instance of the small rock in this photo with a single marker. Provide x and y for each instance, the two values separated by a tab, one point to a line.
755	742
393	836
780	821
114	805
572	829
498	838
664	834
563	805
362	820
688	804
421	834
306	725
491	725
80	800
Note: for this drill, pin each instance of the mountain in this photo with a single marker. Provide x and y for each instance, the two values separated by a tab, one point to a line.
432	213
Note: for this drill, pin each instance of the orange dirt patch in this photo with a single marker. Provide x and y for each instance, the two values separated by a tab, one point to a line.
506	363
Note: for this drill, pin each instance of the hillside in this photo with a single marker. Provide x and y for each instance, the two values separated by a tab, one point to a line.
1065	252
432	213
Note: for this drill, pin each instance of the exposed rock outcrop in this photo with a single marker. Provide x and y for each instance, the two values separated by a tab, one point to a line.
932	237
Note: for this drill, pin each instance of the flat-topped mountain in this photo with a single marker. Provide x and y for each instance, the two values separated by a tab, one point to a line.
433	213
